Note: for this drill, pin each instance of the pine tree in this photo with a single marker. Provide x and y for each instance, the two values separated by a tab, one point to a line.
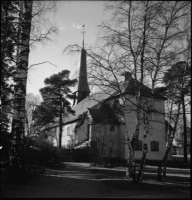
177	80
55	104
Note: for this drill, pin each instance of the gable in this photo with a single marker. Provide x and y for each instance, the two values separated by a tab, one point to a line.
103	114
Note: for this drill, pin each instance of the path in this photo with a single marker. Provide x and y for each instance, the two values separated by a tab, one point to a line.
79	180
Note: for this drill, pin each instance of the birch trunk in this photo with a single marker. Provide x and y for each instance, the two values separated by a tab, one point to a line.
16	154
60	125
131	169
164	160
145	150
146	121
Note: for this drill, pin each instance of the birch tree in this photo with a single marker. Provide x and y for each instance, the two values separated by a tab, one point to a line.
22	42
31	103
17	163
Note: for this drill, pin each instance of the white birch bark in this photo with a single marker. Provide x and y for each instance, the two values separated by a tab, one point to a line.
18	124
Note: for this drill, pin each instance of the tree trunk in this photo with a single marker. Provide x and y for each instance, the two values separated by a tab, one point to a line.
60	124
16	171
131	169
164	160
132	162
185	131
145	150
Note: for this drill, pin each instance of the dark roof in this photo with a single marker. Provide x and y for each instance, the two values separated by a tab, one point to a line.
132	87
83	83
103	114
92	100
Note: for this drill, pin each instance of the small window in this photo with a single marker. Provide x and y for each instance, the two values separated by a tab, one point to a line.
154	146
137	145
112	128
68	131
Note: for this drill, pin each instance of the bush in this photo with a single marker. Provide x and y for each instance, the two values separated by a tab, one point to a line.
82	155
46	151
5	143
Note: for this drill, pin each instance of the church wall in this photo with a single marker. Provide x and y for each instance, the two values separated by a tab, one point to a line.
82	131
68	134
106	136
122	141
157	129
156	133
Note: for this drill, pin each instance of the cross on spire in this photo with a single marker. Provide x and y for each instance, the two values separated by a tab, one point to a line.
83	32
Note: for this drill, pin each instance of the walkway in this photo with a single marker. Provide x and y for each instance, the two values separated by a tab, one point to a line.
79	180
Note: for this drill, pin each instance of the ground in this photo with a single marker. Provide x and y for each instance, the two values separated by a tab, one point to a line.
81	180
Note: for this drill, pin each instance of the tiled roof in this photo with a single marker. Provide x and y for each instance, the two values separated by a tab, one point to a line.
104	114
82	106
132	87
94	99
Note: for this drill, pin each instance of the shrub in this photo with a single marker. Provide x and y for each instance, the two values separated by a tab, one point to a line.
82	155
46	152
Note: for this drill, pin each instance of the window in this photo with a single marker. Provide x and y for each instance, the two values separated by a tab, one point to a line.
137	144
154	146
68	131
112	128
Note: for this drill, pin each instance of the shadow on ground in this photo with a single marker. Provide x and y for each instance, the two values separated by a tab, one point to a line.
78	180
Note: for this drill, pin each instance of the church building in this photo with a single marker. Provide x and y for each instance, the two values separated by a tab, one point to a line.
97	122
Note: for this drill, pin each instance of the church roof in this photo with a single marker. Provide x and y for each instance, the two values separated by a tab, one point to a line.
86	103
104	114
91	101
132	87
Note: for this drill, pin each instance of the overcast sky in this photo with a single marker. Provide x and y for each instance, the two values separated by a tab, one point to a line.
69	17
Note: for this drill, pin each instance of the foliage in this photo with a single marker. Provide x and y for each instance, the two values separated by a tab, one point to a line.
176	75
57	85
47	152
82	154
55	104
31	102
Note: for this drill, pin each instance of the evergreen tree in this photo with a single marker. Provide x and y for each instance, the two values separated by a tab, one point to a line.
179	74
55	104
176	80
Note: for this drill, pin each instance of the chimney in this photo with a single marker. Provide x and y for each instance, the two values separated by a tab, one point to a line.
127	75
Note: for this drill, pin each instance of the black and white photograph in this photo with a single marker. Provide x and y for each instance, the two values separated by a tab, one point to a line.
95	99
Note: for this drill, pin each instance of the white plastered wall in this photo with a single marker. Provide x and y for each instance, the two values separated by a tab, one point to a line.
156	132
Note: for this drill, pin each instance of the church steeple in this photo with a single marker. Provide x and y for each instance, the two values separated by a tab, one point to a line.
83	87
83	32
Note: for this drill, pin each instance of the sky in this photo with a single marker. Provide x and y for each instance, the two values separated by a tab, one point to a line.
69	17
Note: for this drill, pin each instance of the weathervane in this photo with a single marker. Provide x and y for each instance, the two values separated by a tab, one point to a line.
83	32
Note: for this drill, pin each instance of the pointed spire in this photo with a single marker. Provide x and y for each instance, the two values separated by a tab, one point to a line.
83	87
83	32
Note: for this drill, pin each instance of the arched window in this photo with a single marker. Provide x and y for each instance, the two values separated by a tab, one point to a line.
68	131
137	144
112	128
154	146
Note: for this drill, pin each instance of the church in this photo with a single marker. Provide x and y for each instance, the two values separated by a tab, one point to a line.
97	122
